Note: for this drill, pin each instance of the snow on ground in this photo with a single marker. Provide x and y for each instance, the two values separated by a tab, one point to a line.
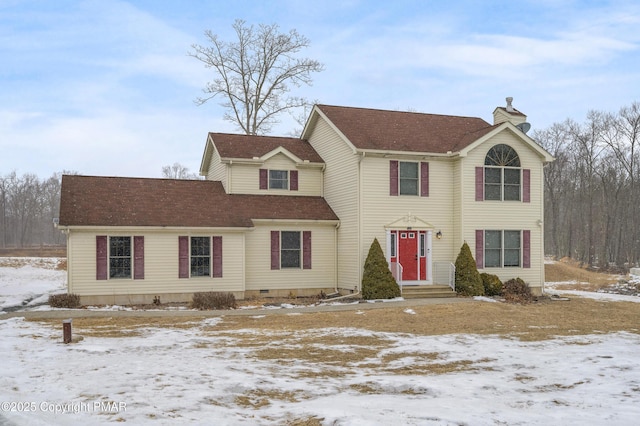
29	281
604	294
205	375
590	294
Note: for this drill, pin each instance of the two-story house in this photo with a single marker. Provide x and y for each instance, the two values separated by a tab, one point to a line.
280	216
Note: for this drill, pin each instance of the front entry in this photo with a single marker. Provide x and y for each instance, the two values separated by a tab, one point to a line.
408	255
411	250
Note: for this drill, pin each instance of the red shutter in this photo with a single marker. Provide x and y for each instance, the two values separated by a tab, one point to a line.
479	183
138	258
183	257
526	249
275	249
526	185
293	180
101	257
264	179
393	177
424	179
217	257
306	250
479	249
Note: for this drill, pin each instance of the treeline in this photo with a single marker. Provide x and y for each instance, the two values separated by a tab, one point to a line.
28	206
592	189
592	193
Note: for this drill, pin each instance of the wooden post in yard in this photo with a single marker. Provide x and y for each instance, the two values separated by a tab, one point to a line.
66	330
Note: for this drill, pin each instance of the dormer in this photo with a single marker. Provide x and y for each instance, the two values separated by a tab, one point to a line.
508	113
263	165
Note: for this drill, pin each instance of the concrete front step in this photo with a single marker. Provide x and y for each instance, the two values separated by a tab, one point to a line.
427	291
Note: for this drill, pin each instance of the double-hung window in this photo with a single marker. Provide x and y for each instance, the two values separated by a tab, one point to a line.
200	256
278	179
120	257
502	249
290	250
408	178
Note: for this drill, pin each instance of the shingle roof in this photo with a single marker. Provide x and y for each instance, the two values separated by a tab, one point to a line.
373	129
512	112
117	201
248	146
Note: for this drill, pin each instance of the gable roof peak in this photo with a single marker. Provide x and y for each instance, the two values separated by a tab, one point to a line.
231	145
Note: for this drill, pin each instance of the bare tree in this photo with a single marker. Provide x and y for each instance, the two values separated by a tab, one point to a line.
4	199
555	140
254	73
592	189
177	171
28	206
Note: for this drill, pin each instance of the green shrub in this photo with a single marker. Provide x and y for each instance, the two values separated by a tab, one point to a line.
65	300
492	284
517	291
468	281
213	300
377	280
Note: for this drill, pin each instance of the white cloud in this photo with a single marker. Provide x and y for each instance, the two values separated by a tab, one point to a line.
88	75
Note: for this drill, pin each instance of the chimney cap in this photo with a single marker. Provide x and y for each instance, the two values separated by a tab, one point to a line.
509	106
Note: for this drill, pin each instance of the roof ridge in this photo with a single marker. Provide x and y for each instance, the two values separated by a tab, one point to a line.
257	136
399	111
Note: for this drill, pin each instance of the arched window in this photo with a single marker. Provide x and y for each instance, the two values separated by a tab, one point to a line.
502	174
503	156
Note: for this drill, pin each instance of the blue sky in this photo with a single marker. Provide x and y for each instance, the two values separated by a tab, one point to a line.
105	87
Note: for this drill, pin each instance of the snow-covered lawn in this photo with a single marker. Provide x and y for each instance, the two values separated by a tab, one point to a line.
207	374
28	281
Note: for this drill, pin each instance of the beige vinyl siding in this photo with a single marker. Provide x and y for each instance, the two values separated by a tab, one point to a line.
506	215
322	274
245	178
217	170
342	193
161	264
457	212
380	209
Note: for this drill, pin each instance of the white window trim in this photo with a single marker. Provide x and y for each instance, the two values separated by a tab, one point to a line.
502	249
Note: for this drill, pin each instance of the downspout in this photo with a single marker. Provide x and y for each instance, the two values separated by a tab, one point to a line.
333	299
541	226
69	264
335	257
360	267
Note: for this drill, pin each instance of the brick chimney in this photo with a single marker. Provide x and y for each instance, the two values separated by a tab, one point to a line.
508	113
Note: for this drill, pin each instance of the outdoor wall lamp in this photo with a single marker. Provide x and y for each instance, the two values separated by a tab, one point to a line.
439	235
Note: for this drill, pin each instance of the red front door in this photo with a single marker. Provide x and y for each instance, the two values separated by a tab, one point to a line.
408	254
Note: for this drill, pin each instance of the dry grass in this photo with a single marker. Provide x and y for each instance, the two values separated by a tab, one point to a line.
48	251
537	321
569	270
19	262
123	326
